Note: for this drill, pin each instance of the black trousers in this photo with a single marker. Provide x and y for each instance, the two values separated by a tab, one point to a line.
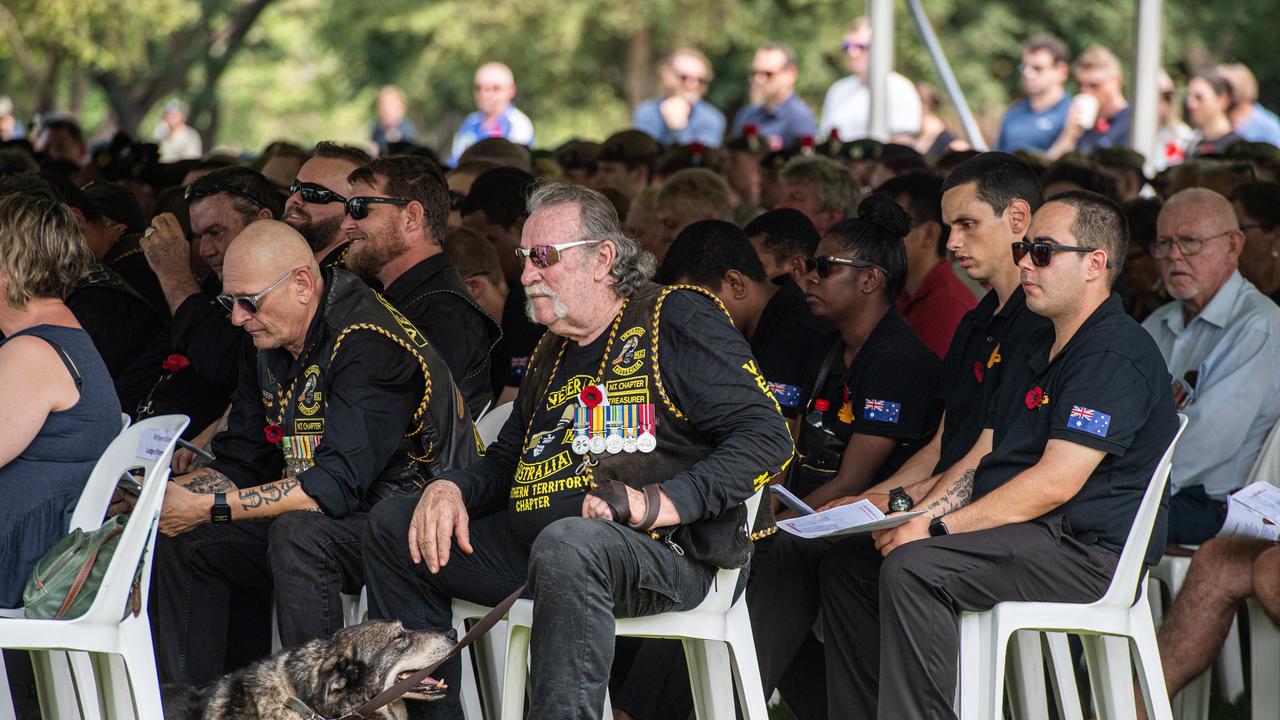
581	574
307	558
901	613
1194	516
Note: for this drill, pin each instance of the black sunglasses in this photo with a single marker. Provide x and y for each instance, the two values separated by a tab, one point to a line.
822	264
250	303
203	191
314	194
358	207
1042	252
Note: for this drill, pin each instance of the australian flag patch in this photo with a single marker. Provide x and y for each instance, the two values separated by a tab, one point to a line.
881	411
788	396
1088	420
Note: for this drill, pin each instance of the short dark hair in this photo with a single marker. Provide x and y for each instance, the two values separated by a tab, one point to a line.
502	194
1050	44
1218	83
248	190
703	252
633	148
875	235
1142	214
71	195
1261	201
1099	223
67	124
338	151
786	233
923	192
1001	178
1086	173
472	253
413	178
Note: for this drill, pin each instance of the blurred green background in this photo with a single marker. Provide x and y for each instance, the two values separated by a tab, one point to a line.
261	70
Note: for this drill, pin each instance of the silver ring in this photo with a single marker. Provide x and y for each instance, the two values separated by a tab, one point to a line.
151	230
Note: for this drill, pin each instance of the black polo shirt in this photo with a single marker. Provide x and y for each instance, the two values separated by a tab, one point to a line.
786	341
890	390
973	366
1108	389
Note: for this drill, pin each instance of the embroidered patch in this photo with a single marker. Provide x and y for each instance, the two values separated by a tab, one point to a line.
631	356
788	396
1088	420
881	411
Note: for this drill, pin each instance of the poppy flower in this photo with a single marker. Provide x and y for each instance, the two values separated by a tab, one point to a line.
274	433
591	396
979	370
175	362
1034	396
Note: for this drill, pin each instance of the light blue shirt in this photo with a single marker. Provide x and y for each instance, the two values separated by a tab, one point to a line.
1234	346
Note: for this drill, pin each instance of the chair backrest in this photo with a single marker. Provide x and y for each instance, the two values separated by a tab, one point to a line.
1267	466
720	597
125	421
490	424
146	446
1129	568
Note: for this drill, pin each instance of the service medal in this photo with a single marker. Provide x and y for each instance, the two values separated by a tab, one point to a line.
580	444
598	444
646	443
630	444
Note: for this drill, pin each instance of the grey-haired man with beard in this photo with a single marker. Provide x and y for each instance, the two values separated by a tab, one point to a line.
316	203
397	210
617	486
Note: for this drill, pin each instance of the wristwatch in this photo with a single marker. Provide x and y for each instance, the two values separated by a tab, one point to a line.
937	528
221	511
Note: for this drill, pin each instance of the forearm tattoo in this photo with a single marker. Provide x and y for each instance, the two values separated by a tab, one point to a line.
268	494
956	497
207	482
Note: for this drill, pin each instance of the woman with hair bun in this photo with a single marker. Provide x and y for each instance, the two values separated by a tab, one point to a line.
874	393
60	406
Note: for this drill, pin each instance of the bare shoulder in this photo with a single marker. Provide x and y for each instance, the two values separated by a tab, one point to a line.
28	351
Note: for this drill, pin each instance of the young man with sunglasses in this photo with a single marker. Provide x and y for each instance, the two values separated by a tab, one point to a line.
618	484
1221	339
347	401
1082	417
779	116
847	106
683	117
396	214
316	206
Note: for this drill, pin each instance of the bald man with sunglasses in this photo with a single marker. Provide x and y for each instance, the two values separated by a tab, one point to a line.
617	485
346	404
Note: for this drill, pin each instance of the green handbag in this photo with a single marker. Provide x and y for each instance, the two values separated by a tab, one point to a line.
67	578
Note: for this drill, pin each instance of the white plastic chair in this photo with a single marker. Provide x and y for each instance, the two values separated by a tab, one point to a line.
1264	659
101	630
717	640
490	424
1107	627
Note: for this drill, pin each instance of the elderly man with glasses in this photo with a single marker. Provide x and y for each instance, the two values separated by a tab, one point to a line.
618	484
346	404
1221	340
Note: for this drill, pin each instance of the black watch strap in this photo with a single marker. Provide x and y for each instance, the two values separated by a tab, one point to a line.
221	511
937	528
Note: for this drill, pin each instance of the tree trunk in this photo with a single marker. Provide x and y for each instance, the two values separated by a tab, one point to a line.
47	100
639	67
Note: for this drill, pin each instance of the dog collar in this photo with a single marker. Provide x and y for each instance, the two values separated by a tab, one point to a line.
303	709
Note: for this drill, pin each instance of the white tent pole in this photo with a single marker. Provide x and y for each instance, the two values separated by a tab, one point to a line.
930	38
880	13
1146	69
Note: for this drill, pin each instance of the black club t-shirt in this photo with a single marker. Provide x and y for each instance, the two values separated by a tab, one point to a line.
787	340
890	390
1107	389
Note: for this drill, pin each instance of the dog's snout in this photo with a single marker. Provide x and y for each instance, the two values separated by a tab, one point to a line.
452	635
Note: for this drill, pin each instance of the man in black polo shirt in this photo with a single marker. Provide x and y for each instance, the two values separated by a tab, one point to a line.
776	321
1083	415
783	238
397	210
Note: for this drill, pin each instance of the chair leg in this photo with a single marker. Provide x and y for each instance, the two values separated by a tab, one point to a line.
1230	663
1063	675
747	674
969	686
7	710
1264	658
516	673
113	686
1146	659
1024	680
997	646
54	685
1111	675
86	685
140	663
694	660
472	689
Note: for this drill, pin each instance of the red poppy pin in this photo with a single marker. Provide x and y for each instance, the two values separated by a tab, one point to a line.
591	396
175	362
979	370
1034	396
274	433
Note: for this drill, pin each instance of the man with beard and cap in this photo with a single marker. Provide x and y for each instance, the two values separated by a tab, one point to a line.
315	207
397	209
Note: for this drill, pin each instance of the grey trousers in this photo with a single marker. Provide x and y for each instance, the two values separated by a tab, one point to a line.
581	573
891	625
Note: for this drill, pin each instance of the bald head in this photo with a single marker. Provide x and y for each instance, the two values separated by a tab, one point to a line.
273	275
495	88
1203	206
1198	244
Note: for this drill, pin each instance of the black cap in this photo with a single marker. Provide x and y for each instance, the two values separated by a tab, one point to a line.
116	202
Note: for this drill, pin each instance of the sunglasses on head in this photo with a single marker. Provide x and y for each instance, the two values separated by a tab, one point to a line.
1042	252
544	256
193	192
251	303
314	194
358	207
822	264
859	46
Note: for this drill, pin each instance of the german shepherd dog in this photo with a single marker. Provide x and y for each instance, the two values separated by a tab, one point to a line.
333	677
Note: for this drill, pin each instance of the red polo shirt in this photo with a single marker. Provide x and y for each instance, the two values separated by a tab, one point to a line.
935	309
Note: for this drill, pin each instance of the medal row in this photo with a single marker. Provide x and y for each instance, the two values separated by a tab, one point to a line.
613	429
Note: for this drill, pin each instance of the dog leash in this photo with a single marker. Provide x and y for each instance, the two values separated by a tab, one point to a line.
372	705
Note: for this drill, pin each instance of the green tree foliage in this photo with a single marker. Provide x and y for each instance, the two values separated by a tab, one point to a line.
259	70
